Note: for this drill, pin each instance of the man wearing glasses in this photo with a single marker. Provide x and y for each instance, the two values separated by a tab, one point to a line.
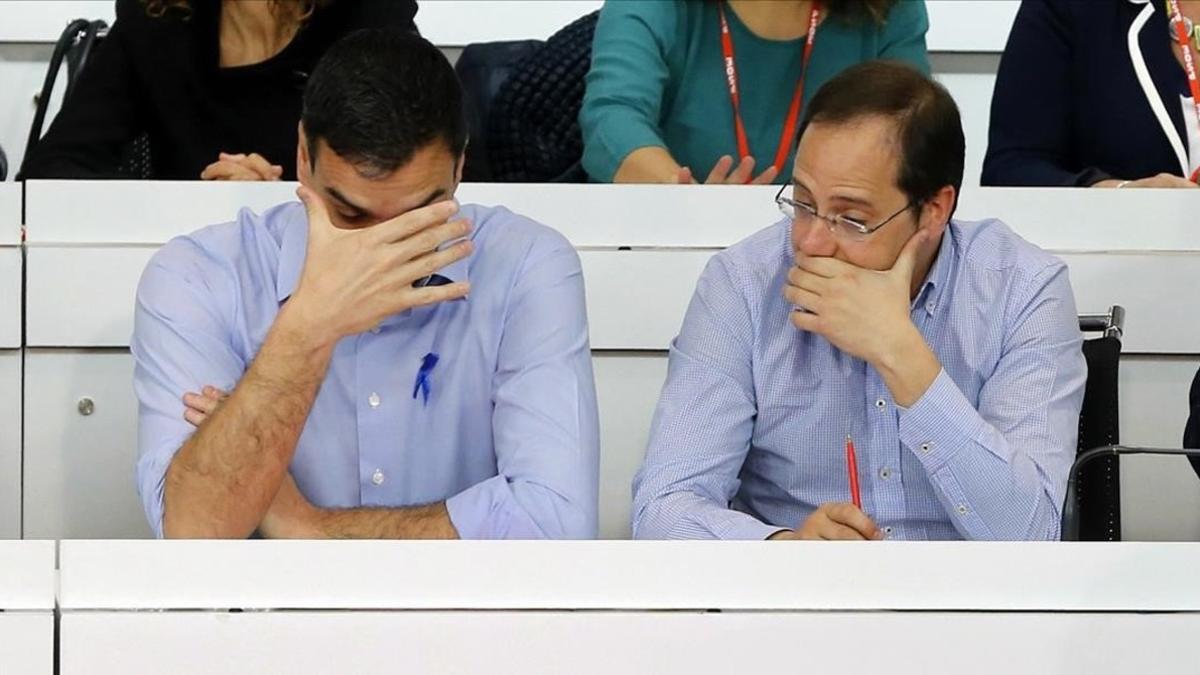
948	352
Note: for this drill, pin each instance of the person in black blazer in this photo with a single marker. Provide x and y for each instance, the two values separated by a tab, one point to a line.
1089	94
216	84
1191	433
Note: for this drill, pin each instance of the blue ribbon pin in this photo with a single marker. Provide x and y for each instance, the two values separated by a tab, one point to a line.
421	386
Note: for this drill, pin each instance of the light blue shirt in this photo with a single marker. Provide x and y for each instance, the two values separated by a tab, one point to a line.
749	435
509	435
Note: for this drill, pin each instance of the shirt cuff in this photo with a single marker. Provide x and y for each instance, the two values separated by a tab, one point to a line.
486	511
744	527
616	147
940	424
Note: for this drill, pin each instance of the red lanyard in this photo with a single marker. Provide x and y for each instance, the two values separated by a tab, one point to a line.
787	138
1189	64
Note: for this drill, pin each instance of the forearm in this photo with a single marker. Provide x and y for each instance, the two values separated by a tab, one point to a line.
990	486
651	164
224	478
687	515
908	367
418	522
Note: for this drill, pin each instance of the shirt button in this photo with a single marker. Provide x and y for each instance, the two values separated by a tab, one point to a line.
377	477
926	447
375	330
887	530
931	306
880	403
962	509
885	473
373	400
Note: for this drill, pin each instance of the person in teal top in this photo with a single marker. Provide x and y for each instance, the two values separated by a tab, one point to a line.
657	107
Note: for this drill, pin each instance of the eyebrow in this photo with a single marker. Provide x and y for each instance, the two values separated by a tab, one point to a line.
359	211
433	196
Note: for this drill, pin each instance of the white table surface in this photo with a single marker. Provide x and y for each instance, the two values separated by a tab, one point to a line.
27	575
622	575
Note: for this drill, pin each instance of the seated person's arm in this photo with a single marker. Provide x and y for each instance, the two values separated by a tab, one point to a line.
999	467
702	428
544	422
904	35
1001	470
622	106
224	478
623	102
1030	144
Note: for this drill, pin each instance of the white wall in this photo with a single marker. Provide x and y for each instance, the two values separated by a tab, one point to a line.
965	38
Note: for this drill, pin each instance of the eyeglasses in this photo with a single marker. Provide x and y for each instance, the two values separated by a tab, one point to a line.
840	226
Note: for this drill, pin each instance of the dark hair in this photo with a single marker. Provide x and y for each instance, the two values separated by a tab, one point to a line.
378	95
928	125
860	10
298	11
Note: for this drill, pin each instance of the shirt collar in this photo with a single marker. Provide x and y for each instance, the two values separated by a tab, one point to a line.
293	249
930	293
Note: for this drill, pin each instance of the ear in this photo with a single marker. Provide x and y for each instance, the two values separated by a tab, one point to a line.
935	214
458	168
303	163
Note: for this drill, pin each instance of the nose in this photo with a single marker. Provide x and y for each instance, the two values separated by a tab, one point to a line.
814	239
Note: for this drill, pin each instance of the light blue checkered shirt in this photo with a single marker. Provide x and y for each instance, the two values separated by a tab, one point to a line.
749	434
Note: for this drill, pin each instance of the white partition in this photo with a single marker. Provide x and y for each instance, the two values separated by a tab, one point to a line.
10	361
661	236
645	607
27	588
955	25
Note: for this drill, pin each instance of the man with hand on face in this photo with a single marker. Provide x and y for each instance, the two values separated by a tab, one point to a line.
948	351
397	366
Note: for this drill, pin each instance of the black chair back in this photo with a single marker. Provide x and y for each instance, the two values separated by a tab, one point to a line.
1071	515
533	127
483	68
1097	492
75	47
3	164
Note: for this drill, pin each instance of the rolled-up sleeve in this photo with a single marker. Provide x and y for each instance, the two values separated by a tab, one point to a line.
179	345
545	422
622	105
1000	469
702	428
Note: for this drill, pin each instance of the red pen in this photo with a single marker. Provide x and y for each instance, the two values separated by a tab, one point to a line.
852	472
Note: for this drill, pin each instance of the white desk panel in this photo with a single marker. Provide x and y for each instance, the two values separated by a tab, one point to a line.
96	453
602	643
10	214
27	579
636	299
84	295
79	469
10	444
70	228
27	643
931	576
591	216
10	297
137	212
976	26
